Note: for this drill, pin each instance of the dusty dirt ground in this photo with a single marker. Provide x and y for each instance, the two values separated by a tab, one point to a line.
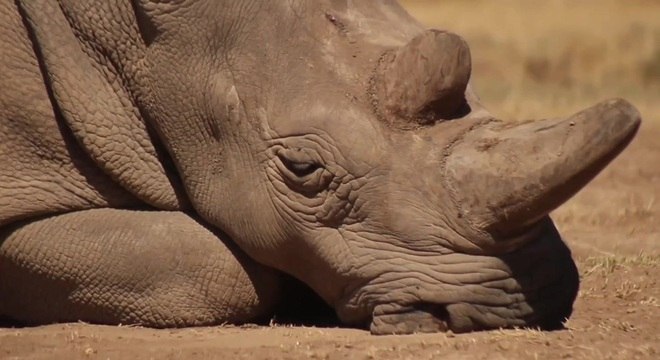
612	227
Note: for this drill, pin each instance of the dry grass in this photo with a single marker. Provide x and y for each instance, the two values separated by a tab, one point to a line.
537	58
608	264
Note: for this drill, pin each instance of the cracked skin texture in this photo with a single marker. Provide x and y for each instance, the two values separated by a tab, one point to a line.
165	163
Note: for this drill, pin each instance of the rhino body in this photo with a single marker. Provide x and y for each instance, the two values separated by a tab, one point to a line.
164	163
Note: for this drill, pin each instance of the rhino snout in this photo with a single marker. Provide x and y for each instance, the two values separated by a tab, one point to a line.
539	292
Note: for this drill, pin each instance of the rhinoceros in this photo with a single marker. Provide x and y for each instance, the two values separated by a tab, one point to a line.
173	163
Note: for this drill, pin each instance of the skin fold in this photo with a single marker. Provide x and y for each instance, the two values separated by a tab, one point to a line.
172	163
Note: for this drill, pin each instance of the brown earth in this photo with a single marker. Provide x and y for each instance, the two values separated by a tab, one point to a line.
531	58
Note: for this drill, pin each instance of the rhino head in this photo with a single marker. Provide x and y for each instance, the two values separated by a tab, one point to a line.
341	142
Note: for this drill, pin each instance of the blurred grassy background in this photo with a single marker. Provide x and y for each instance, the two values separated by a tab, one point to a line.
540	58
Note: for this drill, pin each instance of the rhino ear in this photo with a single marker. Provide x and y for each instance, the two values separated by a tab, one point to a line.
98	110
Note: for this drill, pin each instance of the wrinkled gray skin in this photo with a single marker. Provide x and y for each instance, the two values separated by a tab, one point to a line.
163	161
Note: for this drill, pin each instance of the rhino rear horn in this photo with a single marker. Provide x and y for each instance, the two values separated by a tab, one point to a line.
425	80
507	177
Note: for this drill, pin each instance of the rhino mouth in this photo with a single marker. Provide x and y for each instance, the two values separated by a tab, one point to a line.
545	286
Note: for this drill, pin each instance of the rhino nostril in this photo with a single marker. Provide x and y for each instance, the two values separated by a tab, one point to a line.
414	318
438	311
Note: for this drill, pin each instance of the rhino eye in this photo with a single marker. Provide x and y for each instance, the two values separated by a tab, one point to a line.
301	169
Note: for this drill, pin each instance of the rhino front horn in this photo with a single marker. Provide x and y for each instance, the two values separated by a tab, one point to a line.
505	177
425	80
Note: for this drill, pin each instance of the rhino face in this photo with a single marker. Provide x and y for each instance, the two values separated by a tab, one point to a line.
341	143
